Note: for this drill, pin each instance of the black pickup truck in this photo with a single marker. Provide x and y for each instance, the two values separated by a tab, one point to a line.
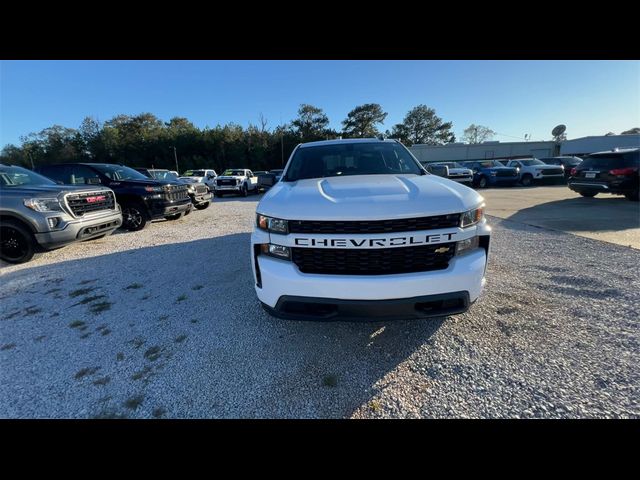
142	199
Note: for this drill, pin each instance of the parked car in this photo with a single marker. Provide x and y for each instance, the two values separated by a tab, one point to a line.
269	179
531	170
36	214
616	171
142	199
565	161
198	191
455	172
206	176
491	173
358	228
236	180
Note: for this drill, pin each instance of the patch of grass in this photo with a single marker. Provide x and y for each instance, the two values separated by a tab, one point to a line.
197	287
8	346
53	290
181	298
77	324
134	286
153	353
375	405
158	412
193	320
85	335
84	282
100	307
32	310
330	381
81	291
102	381
134	402
105	332
83	372
180	338
162	318
141	373
40	338
120	356
86	300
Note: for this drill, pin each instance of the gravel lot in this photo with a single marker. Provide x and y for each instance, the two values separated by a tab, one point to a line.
165	323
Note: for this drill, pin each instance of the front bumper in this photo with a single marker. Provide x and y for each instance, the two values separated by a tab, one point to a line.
102	223
161	208
199	198
586	185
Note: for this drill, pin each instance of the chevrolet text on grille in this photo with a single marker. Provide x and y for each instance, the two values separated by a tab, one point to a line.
374	242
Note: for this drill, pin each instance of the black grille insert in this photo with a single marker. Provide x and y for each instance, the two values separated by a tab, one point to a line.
506	173
375	226
378	261
87	202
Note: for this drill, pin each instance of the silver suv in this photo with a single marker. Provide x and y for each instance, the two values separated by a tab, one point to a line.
38	214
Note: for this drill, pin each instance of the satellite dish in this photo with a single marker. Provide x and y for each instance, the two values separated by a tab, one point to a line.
559	130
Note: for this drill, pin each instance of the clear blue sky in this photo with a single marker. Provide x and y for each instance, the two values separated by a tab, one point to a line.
511	97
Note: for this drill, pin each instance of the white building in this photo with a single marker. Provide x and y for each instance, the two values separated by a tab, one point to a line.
508	150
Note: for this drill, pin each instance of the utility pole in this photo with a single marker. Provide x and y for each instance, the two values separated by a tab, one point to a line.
175	155
31	158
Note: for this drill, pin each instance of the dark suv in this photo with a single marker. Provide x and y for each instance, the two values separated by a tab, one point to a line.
616	171
567	162
142	199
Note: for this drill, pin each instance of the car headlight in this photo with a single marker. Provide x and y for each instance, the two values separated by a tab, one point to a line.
278	251
467	244
471	217
270	224
43	204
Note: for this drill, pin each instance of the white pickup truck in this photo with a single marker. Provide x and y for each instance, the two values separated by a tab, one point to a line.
236	180
358	228
532	169
206	176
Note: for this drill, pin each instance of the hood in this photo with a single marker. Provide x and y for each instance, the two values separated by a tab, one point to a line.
191	179
547	167
51	190
363	197
504	169
229	177
460	170
144	183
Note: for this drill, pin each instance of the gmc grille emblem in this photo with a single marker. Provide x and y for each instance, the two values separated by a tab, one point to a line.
99	198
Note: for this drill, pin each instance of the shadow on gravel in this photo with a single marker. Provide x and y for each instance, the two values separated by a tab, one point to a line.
601	213
186	333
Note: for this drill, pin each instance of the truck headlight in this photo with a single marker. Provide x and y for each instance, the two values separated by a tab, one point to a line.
43	204
471	217
467	244
270	224
278	251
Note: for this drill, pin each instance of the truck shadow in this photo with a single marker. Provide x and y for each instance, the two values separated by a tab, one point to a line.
186	326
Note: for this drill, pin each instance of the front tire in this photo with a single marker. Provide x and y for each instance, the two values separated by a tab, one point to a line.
527	180
482	182
17	243
588	193
244	191
134	217
202	206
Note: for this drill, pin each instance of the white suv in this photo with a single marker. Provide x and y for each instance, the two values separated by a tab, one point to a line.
532	169
358	228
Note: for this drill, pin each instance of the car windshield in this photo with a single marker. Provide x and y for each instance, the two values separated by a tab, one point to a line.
351	159
193	173
18	176
234	173
120	172
604	162
449	164
163	175
485	164
533	161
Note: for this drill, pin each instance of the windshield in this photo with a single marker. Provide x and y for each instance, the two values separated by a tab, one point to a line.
485	164
18	176
193	173
163	175
234	173
120	172
449	164
533	161
351	159
604	162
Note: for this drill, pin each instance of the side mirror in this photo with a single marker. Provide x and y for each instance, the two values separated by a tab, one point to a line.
440	170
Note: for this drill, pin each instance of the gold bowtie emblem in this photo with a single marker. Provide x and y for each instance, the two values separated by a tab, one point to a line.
442	249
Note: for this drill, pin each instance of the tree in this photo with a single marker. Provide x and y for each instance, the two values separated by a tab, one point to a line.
477	133
361	122
311	123
633	131
422	125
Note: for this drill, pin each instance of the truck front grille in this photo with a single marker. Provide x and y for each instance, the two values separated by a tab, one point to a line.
225	182
379	261
554	171
506	173
87	202
375	226
176	192
201	189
